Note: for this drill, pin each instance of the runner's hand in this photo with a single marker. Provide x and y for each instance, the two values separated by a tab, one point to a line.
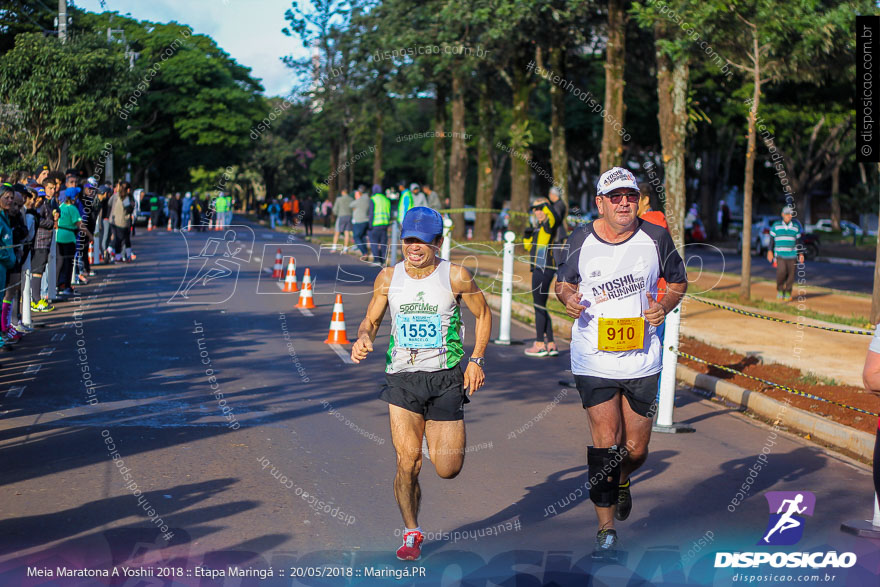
360	348
769	256
473	378
573	307
655	314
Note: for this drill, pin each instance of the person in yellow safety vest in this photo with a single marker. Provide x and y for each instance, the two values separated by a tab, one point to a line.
219	210
404	203
380	218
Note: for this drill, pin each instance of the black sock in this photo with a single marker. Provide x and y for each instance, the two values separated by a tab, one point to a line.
36	282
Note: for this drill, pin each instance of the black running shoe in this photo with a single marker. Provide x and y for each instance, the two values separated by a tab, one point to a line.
606	545
624	502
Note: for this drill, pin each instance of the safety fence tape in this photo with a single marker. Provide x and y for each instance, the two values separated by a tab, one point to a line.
785	388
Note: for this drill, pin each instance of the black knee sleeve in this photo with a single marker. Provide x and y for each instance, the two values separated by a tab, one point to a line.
603	467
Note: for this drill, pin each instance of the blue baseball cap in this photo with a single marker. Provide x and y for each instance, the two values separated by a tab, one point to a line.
68	193
422	223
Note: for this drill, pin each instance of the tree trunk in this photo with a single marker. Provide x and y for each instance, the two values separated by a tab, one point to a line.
745	284
708	203
615	58
378	174
344	160
485	166
835	196
672	83
457	156
334	164
520	172
440	142
558	150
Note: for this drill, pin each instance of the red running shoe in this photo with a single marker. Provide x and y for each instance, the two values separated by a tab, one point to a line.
412	546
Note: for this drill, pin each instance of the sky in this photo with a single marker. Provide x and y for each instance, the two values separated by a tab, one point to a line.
249	30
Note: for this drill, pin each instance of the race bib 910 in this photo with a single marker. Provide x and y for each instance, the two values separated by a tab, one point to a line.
419	331
621	334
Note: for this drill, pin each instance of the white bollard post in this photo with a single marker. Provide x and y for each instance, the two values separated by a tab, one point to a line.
876	520
395	242
506	290
26	293
666	404
865	528
446	247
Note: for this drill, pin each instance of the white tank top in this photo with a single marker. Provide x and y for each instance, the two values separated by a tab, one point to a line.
426	328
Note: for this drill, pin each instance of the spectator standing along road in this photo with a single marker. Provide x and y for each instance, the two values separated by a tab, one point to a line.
308	215
785	244
380	218
342	210
537	242
186	211
360	220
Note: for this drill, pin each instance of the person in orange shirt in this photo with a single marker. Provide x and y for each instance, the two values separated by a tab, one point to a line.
295	203
287	208
659	218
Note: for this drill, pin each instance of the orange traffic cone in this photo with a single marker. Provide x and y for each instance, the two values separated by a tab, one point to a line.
290	280
169	225
305	295
337	324
149	224
93	259
277	269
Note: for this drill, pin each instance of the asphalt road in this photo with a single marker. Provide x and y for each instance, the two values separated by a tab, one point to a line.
818	273
295	476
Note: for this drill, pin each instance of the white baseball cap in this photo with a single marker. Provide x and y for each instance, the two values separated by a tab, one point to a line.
616	177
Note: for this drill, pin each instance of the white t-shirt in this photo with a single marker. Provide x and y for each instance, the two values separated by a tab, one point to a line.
614	279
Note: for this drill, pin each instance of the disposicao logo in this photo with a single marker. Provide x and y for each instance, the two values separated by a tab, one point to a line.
785	528
787	508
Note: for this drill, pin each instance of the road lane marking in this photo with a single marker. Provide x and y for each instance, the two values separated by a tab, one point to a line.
46	351
32	369
58	336
16	391
305	312
343	354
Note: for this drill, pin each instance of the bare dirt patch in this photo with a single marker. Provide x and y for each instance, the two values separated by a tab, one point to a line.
790	377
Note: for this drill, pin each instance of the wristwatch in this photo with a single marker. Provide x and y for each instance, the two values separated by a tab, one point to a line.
480	361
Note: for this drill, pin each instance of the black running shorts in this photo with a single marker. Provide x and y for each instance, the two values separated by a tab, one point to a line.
436	395
641	393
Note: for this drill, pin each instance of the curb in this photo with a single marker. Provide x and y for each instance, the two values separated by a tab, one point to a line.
819	428
844	261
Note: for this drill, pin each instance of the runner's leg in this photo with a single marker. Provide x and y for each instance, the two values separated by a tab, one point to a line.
446	446
606	430
407	429
634	443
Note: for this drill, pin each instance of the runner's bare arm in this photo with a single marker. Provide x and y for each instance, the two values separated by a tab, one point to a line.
871	372
463	283
375	313
657	311
568	296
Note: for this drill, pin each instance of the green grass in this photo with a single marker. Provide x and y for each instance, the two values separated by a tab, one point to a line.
865	241
791	308
489	285
811	378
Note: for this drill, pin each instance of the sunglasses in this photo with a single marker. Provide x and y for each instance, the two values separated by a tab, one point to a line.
632	197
